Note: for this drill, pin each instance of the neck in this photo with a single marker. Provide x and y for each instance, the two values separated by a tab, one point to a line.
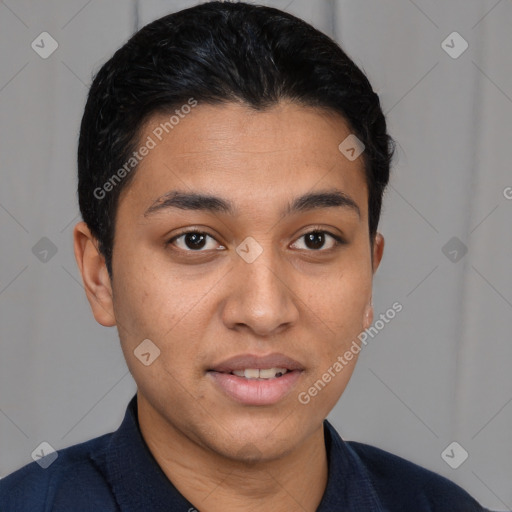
214	483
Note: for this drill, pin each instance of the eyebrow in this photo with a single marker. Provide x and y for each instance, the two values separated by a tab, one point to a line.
208	203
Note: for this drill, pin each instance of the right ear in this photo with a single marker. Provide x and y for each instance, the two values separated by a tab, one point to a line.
93	269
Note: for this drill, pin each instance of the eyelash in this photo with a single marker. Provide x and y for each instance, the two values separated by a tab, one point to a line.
337	239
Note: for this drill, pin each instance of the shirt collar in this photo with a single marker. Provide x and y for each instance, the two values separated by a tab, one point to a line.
139	483
349	486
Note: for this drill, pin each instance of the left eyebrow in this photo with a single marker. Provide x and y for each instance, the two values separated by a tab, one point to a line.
209	203
326	199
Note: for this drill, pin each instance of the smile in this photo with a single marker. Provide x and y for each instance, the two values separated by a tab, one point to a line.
256	380
254	373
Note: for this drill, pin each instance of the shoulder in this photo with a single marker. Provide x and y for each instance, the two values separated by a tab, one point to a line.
73	481
403	485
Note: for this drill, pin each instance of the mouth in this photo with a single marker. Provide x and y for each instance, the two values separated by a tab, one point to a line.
256	380
257	373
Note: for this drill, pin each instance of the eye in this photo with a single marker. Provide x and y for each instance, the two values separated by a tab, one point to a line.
196	240
193	240
316	240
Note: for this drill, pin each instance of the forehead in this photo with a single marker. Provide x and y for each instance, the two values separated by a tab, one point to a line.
233	151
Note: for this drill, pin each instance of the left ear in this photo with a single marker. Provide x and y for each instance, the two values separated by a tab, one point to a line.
378	251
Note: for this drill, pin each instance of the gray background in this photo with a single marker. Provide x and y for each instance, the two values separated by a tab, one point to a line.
439	372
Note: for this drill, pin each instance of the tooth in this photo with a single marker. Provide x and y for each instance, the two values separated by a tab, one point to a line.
271	373
268	374
254	373
251	373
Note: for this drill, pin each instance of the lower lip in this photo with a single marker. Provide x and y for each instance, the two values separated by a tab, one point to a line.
256	391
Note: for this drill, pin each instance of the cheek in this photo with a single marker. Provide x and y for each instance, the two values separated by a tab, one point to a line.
339	300
327	382
172	313
147	302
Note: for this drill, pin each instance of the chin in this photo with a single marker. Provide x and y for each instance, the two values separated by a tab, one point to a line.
254	441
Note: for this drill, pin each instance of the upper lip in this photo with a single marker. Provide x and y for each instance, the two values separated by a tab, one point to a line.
244	361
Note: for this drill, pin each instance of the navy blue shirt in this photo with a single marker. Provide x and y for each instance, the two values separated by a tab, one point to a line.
117	472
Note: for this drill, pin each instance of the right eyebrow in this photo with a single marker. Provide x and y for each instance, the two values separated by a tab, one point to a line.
190	201
332	198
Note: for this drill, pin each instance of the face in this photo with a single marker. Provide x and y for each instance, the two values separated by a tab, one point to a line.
272	272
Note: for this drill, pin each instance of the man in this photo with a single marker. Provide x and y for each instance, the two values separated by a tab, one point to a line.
232	161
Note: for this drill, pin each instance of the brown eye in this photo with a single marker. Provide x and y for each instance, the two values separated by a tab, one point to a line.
316	240
194	241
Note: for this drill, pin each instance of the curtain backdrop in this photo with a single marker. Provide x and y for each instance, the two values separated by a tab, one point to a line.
437	373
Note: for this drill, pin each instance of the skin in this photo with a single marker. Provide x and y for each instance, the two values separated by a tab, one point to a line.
201	308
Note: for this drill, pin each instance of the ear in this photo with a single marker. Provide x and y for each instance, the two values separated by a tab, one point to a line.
378	251
91	264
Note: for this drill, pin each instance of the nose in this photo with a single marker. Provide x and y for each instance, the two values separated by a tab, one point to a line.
261	298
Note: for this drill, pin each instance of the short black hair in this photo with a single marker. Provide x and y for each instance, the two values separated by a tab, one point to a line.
213	53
